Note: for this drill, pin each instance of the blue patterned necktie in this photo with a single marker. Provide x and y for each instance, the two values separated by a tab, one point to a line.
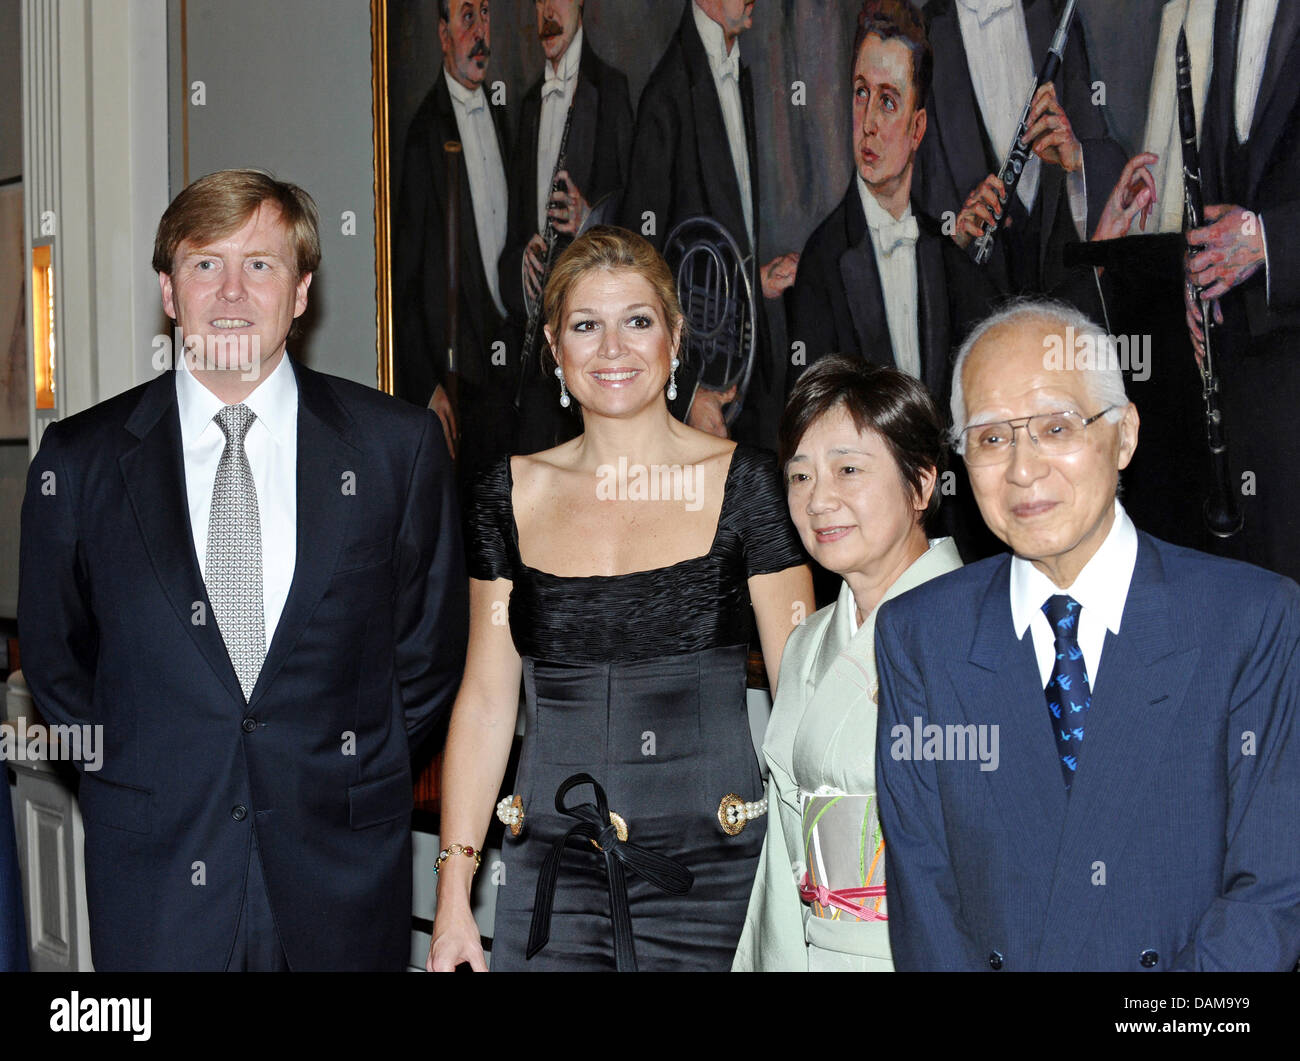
1068	693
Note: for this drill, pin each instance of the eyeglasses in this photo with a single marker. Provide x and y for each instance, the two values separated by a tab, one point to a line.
1053	435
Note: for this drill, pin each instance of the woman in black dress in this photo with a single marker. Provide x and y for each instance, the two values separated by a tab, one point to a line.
614	573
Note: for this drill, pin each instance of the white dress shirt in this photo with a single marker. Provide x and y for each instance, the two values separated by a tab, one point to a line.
1101	590
1162	136
558	88
1002	73
272	448
487	177
726	77
894	242
1257	18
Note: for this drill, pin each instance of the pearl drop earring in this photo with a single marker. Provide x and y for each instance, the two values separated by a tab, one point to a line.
672	381
564	394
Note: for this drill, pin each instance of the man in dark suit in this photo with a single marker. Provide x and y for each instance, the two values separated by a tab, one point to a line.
577	81
889	288
1247	260
986	53
695	153
251	576
1117	790
457	109
13	926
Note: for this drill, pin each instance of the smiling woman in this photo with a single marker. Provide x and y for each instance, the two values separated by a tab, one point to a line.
861	448
629	619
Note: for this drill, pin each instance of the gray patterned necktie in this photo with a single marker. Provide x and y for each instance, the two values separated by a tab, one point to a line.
234	560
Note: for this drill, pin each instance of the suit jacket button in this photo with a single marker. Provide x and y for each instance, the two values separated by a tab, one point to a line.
249	725
995	960
1148	958
239	812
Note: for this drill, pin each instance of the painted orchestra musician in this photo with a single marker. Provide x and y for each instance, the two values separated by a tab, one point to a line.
457	109
1246	261
576	82
878	278
1141	811
985	55
696	152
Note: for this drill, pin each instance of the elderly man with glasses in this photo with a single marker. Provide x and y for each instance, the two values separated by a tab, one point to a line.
1140	812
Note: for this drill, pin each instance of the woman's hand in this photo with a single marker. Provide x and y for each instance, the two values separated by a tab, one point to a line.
455	940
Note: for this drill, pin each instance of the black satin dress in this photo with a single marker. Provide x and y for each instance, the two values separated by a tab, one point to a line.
637	680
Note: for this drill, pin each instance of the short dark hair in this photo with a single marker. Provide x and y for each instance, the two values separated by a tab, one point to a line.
896	406
444	10
220	203
898	20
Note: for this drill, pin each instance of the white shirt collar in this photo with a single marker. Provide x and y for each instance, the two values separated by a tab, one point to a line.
468	99
715	41
1101	587
986	9
568	61
274	401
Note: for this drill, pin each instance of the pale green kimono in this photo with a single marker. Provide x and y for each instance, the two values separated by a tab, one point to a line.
822	734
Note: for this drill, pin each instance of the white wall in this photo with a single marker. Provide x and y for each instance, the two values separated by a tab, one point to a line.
287	89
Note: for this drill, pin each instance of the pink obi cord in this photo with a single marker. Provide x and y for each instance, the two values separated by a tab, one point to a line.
841	899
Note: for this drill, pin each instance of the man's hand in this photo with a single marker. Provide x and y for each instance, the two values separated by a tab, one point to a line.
441	404
568	210
1195	325
1049	132
981	208
1226	252
706	410
533	267
777	275
1133	196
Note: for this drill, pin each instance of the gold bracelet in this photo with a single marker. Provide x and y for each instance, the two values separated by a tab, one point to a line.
458	849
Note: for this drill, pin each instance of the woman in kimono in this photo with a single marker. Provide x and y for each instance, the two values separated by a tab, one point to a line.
861	449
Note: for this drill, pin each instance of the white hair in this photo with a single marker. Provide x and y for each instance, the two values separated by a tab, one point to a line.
1105	376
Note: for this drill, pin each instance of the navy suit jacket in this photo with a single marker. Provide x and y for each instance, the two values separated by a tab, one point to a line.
13	926
1178	839
117	630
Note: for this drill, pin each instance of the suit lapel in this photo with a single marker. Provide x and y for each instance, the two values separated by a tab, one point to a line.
582	134
954	98
532	119
933	325
1141	684
751	149
1040	23
1218	120
862	288
325	456
471	272
153	470
1005	680
713	151
1277	93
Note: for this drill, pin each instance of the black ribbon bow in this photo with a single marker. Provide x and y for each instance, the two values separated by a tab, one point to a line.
594	828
